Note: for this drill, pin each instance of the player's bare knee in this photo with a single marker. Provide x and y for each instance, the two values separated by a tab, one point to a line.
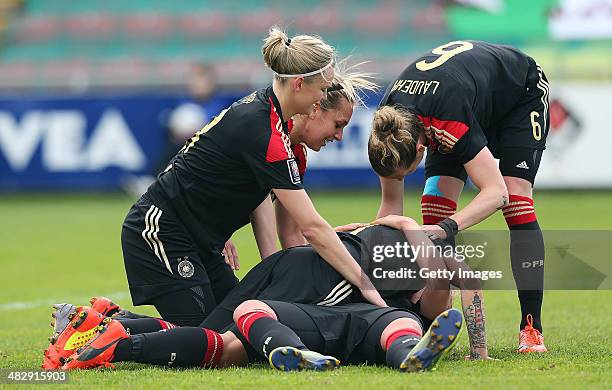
398	325
444	186
518	186
252	305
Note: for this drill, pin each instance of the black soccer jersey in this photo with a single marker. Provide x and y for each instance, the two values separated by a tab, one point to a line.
228	168
460	90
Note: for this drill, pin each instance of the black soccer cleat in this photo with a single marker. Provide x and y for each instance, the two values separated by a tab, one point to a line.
293	359
439	339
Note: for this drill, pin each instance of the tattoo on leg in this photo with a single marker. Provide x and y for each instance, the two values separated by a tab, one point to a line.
474	320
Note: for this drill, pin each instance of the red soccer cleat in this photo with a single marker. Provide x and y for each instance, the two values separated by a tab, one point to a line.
73	327
530	339
104	306
99	351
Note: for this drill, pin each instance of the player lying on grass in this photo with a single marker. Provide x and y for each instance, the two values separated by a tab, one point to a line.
467	103
300	275
289	336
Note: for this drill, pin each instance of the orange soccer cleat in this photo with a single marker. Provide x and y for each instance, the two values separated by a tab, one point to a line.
73	326
530	339
104	306
99	351
108	308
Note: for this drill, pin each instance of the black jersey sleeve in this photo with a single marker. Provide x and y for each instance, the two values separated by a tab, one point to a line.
454	126
269	155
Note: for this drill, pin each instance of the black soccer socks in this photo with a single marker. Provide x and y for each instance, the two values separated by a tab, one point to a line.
177	347
265	333
527	256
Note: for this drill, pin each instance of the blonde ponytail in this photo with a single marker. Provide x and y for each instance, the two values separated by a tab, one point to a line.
300	55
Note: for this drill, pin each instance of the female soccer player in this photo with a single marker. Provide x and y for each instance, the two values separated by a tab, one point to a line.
296	275
173	236
285	334
468	103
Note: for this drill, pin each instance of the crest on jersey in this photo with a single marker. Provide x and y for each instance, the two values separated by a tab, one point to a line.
294	171
185	268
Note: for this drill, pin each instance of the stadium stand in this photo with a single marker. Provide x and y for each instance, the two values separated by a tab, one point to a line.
46	43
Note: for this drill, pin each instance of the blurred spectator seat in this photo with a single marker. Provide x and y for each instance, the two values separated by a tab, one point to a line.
147	26
37	29
203	25
319	20
381	21
90	26
258	22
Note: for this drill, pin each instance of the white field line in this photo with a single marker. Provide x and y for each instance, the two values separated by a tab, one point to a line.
81	300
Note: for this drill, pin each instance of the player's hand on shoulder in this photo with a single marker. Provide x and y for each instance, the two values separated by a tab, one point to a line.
350	227
397	222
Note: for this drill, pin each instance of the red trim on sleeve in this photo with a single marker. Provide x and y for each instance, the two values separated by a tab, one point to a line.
279	147
448	132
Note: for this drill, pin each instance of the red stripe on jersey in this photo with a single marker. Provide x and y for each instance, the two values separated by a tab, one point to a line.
455	128
278	147
299	151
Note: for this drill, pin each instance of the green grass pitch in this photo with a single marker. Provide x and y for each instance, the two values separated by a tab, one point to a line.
56	248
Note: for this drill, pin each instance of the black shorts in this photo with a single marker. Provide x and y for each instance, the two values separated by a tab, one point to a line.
519	139
293	275
350	332
161	258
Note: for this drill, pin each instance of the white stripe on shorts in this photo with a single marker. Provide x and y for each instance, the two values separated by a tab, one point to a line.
150	235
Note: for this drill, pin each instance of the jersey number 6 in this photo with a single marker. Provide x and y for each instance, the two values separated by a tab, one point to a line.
537	129
445	54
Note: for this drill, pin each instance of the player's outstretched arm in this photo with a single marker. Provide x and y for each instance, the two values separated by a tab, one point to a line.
326	242
288	230
264	228
493	194
392	202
